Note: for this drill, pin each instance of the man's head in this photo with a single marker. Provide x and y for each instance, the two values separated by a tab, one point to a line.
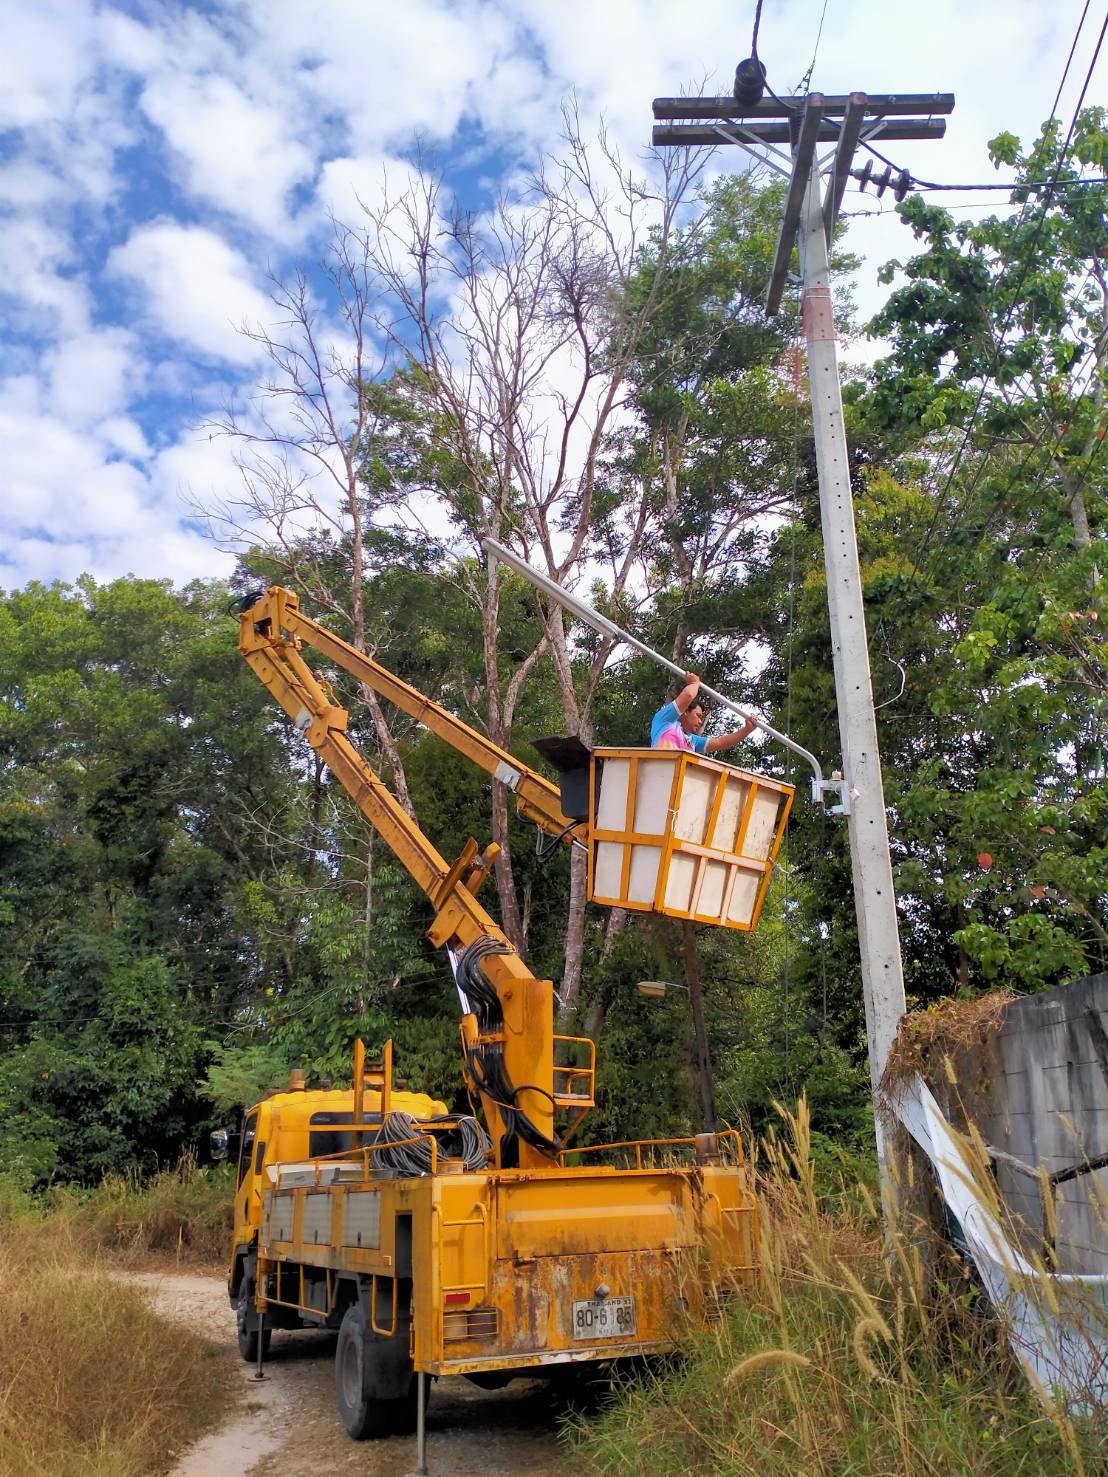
692	719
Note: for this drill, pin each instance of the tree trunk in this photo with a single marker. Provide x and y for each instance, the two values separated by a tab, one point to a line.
575	932
700	1029
503	871
598	1010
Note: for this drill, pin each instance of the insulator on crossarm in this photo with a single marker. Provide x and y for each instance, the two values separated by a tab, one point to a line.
750	82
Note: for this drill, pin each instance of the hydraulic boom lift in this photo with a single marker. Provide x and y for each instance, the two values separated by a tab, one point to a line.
522	1254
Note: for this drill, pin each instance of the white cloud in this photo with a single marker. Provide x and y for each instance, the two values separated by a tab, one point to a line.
71	503
91	375
197	289
237	153
348	184
46	57
389	75
28	186
120	433
263	115
33	259
127	43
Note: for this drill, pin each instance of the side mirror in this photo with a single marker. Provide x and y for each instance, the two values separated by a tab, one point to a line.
219	1144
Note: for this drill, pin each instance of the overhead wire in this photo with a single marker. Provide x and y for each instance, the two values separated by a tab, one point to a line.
807	78
941	500
931	185
757	24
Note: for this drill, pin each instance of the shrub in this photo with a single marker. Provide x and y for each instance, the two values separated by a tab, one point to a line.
183	1214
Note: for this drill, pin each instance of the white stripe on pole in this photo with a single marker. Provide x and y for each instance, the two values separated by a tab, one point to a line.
601	623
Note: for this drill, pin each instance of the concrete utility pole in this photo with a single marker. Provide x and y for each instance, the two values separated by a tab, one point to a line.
810	213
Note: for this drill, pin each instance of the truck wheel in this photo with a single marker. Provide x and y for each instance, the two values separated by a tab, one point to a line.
246	1316
363	1413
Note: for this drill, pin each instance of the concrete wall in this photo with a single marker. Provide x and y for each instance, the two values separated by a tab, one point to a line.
1038	1089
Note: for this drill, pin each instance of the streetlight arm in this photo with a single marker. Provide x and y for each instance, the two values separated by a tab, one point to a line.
601	623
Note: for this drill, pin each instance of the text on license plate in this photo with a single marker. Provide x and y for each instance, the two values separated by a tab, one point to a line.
604	1318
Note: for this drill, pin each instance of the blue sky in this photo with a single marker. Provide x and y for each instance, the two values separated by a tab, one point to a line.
158	159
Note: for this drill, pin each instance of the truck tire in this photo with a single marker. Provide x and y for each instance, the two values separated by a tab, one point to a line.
246	1316
365	1415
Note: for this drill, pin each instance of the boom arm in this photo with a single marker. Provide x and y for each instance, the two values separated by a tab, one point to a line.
508	1033
536	798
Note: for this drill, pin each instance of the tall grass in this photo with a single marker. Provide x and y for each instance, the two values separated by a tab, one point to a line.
181	1215
92	1382
846	1360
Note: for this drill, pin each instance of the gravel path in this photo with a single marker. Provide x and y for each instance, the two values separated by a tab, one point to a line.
288	1426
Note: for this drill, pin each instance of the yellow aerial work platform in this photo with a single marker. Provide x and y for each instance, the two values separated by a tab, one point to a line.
515	1271
681	834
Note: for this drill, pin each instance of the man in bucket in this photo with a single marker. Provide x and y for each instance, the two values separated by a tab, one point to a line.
678	724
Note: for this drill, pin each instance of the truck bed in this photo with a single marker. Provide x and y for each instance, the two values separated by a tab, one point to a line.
519	1269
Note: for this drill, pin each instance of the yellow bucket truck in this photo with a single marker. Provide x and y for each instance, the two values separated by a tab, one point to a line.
440	1245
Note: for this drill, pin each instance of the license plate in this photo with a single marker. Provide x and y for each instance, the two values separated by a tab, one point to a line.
605	1318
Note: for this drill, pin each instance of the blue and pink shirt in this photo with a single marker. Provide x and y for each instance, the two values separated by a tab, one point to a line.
666	732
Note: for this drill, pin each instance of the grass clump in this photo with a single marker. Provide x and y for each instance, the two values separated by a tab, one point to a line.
183	1215
843	1361
92	1382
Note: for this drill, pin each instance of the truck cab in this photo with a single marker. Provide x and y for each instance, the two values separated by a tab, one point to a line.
297	1125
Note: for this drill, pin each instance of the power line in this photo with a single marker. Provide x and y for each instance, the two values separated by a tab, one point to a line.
928	186
921	189
806	79
1069	59
941	500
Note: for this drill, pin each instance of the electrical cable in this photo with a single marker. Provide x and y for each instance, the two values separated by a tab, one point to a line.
941	500
403	1144
240	604
806	80
485	1059
757	23
546	845
931	185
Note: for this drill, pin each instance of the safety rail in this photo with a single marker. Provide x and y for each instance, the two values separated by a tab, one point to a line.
569	1078
728	1136
300	1304
360	1156
383	1332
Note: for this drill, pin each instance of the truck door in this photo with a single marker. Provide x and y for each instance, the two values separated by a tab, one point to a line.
247	1201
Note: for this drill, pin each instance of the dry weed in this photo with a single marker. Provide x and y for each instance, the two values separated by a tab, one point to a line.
92	1382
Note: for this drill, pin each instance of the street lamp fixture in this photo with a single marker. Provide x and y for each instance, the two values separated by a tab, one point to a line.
658	989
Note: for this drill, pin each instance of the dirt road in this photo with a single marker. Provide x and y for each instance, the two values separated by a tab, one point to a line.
288	1426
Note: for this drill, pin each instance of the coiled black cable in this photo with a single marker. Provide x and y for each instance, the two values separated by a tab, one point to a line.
409	1159
485	1060
474	1145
